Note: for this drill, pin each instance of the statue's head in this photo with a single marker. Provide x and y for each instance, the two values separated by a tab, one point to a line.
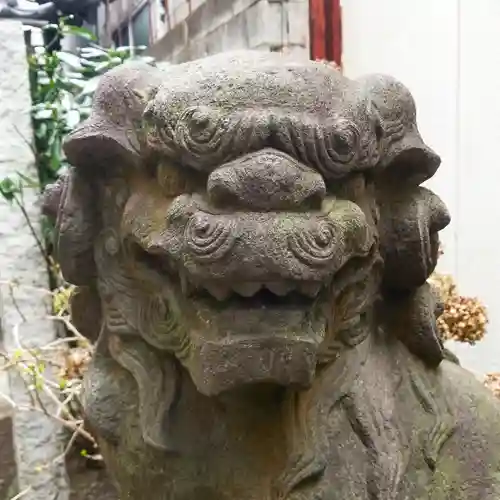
243	212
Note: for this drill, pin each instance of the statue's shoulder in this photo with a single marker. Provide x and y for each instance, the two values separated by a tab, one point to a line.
469	462
470	398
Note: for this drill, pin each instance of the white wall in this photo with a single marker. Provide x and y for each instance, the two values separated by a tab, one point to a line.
448	53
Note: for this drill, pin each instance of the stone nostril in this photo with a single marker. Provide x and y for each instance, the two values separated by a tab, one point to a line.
315	197
221	191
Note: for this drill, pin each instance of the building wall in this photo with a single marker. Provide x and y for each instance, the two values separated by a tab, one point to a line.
187	29
202	27
447	53
113	16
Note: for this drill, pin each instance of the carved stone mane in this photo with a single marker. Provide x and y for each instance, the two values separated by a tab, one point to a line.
251	245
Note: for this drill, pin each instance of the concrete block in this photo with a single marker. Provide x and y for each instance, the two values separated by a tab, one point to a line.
195	4
264	24
180	13
221	25
297	22
241	5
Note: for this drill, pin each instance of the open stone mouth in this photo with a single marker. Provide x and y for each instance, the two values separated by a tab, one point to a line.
248	294
253	294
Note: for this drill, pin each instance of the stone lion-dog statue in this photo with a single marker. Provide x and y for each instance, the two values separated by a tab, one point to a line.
251	245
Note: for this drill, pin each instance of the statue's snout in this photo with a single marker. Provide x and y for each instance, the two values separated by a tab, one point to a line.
264	181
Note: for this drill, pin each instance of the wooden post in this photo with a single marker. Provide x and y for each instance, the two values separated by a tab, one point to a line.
325	30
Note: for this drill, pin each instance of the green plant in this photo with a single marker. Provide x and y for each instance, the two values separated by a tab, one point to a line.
62	87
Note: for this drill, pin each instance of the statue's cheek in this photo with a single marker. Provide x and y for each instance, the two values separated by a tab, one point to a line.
71	203
107	394
410	220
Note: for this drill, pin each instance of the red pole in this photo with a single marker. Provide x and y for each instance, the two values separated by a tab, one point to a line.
325	30
336	30
317	29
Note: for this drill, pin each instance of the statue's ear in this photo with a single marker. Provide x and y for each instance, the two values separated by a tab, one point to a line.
112	133
410	219
72	203
109	138
405	158
100	143
411	317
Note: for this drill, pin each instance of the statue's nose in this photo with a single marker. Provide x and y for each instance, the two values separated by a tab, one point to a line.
265	181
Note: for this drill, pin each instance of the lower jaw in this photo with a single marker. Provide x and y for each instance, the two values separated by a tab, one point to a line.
220	365
239	346
240	342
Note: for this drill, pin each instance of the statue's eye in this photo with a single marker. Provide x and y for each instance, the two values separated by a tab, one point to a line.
199	130
199	126
341	144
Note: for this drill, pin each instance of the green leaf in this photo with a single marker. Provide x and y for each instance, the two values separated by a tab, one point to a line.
55	154
8	189
28	181
85	112
107	65
43	114
79	31
62	88
41	130
90	87
72	118
123	49
93	53
70	60
44	80
50	26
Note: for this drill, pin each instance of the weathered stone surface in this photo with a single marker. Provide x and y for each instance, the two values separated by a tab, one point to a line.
35	435
260	246
88	481
8	471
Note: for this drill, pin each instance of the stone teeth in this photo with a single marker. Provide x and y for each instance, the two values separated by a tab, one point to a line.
220	292
280	288
310	288
247	289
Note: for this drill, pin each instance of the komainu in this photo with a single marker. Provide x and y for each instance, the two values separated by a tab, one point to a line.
251	244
